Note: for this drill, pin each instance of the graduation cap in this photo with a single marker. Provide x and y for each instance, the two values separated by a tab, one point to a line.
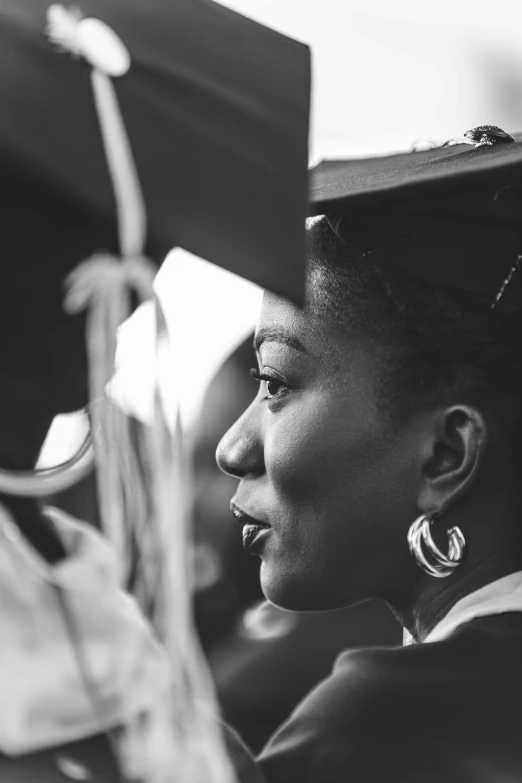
215	108
211	110
450	215
128	130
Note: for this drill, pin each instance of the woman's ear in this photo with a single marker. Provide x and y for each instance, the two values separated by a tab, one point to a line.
454	453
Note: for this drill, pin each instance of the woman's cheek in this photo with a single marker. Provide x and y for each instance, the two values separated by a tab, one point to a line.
321	443
298	438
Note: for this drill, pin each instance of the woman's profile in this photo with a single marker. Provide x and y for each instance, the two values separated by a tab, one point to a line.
380	458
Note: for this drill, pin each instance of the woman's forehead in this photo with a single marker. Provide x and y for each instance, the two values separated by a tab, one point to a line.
275	310
283	322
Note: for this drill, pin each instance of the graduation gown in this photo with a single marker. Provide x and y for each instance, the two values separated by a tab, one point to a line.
443	712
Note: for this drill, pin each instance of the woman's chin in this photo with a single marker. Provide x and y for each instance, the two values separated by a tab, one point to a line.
293	592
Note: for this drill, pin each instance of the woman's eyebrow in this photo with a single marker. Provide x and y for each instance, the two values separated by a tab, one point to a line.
277	335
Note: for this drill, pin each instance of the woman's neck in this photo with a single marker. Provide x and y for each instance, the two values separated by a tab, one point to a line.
433	603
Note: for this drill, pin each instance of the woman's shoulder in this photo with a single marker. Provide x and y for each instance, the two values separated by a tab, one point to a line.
373	682
383	711
487	641
367	684
349	716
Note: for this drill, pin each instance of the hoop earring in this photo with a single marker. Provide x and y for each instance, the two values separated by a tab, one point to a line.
419	540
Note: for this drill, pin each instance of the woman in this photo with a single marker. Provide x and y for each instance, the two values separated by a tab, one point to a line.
380	458
252	648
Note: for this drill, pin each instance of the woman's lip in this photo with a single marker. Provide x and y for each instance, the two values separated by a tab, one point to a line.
253	536
245	518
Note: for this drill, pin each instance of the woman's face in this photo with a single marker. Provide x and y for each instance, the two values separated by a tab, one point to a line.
323	466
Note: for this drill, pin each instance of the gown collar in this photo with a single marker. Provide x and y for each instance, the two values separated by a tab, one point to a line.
502	595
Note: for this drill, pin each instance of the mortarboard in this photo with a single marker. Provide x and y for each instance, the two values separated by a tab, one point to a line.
216	110
450	215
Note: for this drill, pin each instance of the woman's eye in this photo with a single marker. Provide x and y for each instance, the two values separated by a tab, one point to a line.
273	386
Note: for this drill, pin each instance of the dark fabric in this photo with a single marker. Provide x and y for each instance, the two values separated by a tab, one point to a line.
471	256
216	107
451	216
260	682
447	712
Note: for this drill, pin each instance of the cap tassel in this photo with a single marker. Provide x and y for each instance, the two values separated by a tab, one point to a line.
143	497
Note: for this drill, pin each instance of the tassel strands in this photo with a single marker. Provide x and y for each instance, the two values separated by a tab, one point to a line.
143	497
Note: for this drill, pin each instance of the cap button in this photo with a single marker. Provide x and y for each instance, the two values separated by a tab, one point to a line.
102	48
89	38
487	135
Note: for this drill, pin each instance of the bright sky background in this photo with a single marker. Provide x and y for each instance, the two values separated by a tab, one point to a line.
385	74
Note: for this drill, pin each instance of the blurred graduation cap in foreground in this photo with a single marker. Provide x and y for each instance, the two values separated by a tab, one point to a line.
128	131
450	215
215	107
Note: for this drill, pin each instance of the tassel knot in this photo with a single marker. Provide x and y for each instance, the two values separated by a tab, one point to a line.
91	39
62	29
105	278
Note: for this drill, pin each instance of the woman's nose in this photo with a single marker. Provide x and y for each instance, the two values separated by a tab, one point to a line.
240	451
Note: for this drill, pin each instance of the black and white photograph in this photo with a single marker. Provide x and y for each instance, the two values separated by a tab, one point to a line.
261	391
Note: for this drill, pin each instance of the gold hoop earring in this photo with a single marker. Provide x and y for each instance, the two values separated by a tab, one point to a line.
421	543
